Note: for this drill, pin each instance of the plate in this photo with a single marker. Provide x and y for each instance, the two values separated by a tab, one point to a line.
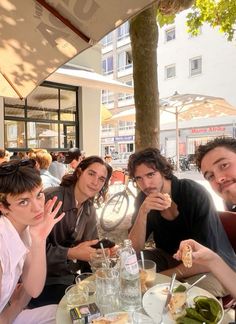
133	318
154	300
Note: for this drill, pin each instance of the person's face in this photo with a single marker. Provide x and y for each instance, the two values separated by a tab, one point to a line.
219	168
91	180
25	209
74	163
148	179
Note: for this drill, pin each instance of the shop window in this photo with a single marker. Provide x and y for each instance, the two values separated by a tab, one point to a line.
46	119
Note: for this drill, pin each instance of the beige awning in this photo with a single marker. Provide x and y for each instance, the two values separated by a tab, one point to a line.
88	79
39	36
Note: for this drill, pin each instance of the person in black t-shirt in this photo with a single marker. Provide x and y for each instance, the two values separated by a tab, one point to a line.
173	210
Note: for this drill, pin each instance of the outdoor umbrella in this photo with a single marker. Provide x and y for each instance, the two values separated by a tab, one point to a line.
190	106
38	36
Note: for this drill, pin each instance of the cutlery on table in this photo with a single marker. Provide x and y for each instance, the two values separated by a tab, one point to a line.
168	298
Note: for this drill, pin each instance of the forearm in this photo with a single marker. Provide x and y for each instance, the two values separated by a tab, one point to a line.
35	269
182	272
225	274
9	314
138	232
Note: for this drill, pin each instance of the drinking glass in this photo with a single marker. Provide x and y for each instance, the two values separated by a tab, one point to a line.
147	274
107	290
87	279
76	295
98	260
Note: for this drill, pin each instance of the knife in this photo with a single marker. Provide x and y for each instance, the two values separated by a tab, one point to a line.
168	298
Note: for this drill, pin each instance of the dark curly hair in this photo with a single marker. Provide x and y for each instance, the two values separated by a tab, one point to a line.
70	179
151	157
202	150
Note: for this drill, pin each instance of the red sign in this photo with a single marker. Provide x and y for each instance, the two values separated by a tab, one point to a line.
208	129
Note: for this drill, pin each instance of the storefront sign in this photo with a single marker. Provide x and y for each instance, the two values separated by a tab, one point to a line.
208	130
126	138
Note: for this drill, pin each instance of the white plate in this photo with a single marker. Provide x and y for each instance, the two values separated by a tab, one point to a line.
134	318
154	301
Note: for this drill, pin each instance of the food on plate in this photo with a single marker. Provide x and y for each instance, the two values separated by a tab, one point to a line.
167	198
187	256
116	319
206	310
177	304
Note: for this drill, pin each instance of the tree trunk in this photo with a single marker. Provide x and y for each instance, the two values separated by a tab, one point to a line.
144	38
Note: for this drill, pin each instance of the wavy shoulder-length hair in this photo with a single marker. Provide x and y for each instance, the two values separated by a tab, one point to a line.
70	179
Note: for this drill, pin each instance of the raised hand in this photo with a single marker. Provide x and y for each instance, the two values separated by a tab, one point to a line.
42	229
156	201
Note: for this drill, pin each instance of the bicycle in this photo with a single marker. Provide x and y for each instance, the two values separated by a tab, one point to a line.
116	207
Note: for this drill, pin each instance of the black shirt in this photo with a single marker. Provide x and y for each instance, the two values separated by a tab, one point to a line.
197	219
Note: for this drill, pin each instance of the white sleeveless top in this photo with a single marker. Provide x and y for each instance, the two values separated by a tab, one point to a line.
13	251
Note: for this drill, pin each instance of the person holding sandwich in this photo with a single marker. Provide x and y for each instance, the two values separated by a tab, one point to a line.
217	162
173	210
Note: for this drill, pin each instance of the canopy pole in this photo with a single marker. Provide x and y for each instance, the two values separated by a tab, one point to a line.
177	138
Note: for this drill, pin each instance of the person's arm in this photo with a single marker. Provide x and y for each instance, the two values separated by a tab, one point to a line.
203	256
18	301
154	201
34	270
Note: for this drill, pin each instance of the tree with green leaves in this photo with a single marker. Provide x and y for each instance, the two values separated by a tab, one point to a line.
144	39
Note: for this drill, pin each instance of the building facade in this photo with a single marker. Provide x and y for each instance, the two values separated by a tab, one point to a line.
199	65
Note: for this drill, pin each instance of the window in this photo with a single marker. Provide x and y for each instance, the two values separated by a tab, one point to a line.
107	65
124	60
126	96
126	125
195	65
107	97
107	40
170	34
170	71
48	118
123	31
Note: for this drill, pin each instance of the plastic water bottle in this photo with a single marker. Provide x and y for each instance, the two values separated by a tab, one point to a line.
130	288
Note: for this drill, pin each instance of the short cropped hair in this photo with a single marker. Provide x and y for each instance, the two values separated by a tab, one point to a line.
202	150
152	158
23	179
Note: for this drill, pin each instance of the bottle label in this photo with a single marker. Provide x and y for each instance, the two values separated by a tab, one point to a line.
131	264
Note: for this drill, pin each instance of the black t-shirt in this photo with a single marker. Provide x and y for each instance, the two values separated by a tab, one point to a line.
197	219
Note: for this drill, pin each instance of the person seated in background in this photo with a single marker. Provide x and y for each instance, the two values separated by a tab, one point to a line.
57	168
203	256
108	159
69	245
4	156
43	160
25	222
174	210
73	157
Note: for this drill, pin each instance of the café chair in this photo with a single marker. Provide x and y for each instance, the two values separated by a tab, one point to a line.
228	220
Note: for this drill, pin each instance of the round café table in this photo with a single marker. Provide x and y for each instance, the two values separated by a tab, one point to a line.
63	316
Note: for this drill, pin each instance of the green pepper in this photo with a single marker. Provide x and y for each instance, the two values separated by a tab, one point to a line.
180	288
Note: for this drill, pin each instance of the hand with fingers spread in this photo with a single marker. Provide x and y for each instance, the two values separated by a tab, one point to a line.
82	251
42	229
